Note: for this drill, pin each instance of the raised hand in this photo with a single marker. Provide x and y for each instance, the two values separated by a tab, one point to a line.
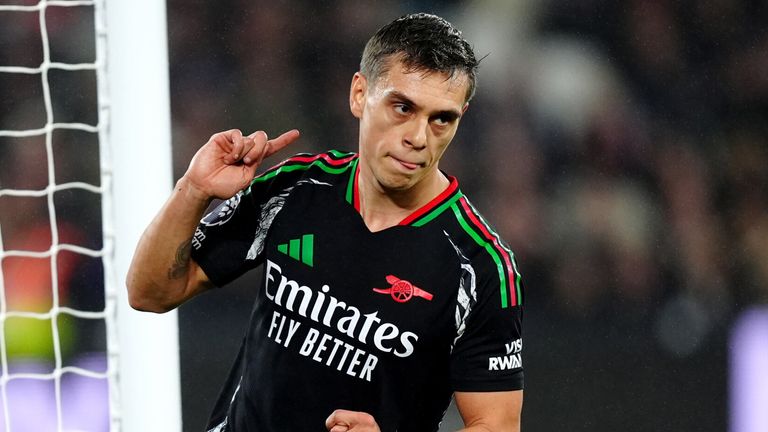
351	421
228	161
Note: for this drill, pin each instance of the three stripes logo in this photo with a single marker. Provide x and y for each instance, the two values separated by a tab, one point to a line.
300	249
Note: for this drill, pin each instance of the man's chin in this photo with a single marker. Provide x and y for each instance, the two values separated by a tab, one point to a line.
397	185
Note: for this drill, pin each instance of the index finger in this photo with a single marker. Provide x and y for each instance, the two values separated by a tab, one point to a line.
277	144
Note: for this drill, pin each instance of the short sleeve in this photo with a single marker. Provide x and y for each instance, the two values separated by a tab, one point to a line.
222	239
488	355
229	240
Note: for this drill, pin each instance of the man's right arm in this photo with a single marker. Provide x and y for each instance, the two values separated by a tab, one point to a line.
162	274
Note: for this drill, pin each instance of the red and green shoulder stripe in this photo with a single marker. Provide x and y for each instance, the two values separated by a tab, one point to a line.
331	162
470	220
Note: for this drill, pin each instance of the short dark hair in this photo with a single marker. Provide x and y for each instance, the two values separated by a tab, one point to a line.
422	42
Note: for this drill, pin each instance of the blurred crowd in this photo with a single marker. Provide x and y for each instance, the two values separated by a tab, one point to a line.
620	148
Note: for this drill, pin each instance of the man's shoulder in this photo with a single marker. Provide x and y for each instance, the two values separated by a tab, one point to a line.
464	220
328	166
329	160
481	245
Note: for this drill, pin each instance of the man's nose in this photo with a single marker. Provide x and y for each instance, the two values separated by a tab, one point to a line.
416	135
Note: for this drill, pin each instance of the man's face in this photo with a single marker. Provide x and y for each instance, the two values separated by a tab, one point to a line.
407	121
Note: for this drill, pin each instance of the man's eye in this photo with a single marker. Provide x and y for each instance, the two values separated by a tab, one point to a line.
442	120
402	109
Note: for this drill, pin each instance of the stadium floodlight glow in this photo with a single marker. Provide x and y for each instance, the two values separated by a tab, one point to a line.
749	372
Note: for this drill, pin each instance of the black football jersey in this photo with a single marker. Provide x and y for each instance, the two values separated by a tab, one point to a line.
390	323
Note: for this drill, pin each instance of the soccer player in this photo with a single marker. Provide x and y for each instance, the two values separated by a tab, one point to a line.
384	291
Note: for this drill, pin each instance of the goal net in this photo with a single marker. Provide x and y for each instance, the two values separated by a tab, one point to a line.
73	356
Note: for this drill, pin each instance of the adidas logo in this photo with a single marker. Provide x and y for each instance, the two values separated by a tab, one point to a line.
300	249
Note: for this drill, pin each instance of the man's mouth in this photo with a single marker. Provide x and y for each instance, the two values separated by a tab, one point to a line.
408	165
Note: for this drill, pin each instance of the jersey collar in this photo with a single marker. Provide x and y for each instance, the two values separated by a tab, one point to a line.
420	216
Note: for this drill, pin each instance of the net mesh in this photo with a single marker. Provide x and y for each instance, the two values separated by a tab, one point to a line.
57	287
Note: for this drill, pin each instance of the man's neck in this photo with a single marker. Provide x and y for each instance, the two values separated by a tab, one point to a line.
382	208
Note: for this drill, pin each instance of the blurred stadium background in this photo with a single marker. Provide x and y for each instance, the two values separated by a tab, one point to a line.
621	148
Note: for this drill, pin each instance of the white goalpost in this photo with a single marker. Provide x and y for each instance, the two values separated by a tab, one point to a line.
140	125
44	383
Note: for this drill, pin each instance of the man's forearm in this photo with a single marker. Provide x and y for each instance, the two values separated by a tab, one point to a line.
159	276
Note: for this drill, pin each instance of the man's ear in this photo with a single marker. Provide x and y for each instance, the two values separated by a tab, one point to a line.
357	91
